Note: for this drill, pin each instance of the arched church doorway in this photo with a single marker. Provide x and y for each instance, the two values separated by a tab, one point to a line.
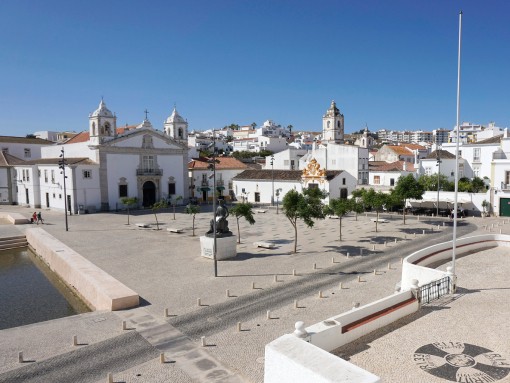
149	194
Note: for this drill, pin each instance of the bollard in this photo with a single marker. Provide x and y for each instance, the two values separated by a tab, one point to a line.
294	272
438	227
268	314
199	302
124	327
423	232
162	357
253	285
203	341
444	224
239	327
276	278
405	236
166	313
418	217
20	357
75	340
385	244
341	286
320	294
414	235
375	272
395	240
359	278
333	260
361	252
500	231
389	266
348	255
227	292
315	266
296	304
109	378
373	247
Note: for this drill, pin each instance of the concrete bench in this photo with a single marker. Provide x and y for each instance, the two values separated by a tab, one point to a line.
260	211
265	245
381	220
143	225
174	230
333	217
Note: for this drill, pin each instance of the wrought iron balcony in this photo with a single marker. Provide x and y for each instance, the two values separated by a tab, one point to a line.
149	172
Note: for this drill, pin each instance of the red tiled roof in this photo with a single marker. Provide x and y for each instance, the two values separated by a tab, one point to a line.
396	166
85	136
279	175
414	146
222	163
24	140
400	150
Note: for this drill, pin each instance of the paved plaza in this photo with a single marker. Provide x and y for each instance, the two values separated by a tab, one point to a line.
167	271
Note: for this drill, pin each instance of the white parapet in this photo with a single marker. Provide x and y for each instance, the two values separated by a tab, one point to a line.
96	287
290	359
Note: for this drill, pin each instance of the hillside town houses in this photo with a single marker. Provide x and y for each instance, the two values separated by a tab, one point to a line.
107	163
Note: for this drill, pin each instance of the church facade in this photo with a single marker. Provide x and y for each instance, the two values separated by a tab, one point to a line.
108	163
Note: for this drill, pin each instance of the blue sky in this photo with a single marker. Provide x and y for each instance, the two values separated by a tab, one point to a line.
389	64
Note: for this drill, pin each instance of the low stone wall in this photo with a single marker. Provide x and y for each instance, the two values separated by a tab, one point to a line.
96	287
15	218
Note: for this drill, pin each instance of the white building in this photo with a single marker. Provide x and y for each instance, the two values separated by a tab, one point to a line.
285	160
429	165
384	176
106	164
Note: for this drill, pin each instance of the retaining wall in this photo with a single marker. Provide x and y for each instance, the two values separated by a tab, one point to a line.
96	287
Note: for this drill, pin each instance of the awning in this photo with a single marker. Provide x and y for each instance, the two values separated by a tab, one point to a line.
205	189
220	187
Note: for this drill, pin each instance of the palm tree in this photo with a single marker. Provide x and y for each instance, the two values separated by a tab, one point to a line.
239	210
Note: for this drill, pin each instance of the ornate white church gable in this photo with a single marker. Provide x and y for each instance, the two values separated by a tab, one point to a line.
145	140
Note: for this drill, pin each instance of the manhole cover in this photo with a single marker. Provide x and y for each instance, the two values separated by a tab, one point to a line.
461	362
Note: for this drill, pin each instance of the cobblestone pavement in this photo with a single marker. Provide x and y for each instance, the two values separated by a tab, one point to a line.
167	271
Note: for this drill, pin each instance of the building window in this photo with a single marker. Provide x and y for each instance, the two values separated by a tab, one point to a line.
507	179
23	173
148	163
53	176
204	179
392	181
60	196
171	188
343	181
27	153
87	174
343	193
476	154
46	175
123	191
377	180
53	195
428	171
313	186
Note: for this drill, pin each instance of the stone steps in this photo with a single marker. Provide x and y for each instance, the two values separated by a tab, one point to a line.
15	242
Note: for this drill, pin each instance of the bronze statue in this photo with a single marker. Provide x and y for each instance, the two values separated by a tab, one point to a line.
220	216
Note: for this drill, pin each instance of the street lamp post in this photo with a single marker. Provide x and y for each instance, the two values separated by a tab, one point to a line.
438	159
212	166
272	180
62	165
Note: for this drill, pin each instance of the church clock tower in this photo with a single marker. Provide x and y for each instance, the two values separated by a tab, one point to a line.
333	125
102	124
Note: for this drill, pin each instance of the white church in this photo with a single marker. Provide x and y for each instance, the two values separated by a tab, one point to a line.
107	163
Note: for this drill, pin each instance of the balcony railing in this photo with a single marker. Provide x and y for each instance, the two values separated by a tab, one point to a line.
149	172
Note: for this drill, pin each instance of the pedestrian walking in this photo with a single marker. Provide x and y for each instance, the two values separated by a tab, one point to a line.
34	217
39	218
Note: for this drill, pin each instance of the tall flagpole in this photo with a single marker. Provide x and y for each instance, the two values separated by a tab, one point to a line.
455	205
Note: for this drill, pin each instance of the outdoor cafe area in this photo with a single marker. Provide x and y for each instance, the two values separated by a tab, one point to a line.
442	208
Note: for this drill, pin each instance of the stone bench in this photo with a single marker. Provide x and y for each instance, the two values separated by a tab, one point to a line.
265	245
15	218
381	220
174	230
143	225
260	211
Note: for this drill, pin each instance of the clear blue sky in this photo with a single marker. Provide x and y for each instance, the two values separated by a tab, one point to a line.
389	64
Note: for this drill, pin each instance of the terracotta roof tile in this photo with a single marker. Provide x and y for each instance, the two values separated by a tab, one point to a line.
444	154
279	175
400	150
491	140
396	166
24	140
223	163
85	135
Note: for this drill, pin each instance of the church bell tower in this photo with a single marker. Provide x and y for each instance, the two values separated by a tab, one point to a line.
333	125
102	124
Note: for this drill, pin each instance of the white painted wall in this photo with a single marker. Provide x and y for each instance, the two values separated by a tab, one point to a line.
18	150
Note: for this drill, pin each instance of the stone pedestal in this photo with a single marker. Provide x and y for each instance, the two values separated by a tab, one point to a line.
226	247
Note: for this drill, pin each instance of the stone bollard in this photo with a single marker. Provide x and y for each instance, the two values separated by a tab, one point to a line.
199	302
165	314
348	255
414	287
109	378
20	357
227	292
361	252
389	266
453	279
294	272
315	266
276	278
75	340
300	331
333	260
239	324
375	272
373	247
359	278
320	294
268	314
395	240
341	286
204	343
162	358
253	285
296	304
423	232
418	217
385	244
405	236
444	224
414	235
124	325
438	227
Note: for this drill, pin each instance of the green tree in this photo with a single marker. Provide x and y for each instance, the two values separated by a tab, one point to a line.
174	200
429	182
407	187
376	201
306	206
465	185
242	209
192	210
158	206
129	201
358	206
339	207
478	185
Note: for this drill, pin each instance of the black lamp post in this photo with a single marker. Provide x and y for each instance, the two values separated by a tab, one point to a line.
62	165
438	174
212	166
272	180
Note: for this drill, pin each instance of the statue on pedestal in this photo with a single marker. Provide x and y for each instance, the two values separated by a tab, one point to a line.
220	216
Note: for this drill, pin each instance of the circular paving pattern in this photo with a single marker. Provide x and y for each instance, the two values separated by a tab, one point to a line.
462	362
